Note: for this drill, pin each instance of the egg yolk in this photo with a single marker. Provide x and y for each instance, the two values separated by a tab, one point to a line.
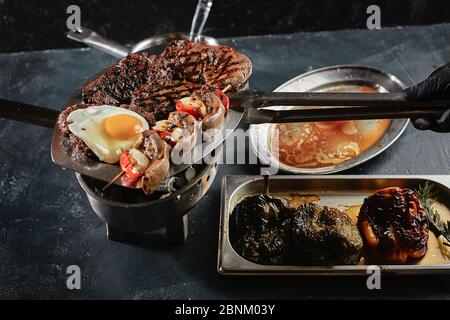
122	126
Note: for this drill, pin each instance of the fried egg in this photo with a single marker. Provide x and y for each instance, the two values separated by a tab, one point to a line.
107	130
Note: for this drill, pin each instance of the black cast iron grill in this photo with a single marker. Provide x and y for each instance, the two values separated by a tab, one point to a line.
129	211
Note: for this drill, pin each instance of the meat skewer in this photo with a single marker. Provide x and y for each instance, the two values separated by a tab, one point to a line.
180	131
114	179
158	152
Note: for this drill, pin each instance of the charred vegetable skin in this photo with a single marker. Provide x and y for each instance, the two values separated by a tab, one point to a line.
394	225
126	164
325	236
265	230
258	227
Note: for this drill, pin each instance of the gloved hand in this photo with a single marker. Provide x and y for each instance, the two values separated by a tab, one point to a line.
437	85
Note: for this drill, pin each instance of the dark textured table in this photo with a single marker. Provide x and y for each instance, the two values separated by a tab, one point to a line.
46	223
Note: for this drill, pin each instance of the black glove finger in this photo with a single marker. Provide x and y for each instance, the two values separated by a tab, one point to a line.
422	90
444	122
439	70
441	124
436	85
443	68
424	123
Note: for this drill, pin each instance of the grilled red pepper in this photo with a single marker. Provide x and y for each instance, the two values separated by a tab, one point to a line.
183	105
132	173
165	135
224	98
193	111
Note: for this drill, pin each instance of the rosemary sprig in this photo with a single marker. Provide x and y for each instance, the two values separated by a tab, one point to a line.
427	196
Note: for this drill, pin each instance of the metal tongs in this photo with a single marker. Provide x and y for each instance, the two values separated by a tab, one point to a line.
330	106
293	107
313	107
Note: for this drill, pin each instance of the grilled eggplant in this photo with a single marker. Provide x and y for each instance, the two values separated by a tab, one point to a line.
394	225
266	230
325	236
258	229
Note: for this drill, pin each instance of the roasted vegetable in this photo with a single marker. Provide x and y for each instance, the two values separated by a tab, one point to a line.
258	230
265	230
224	98
193	106
325	236
394	225
133	163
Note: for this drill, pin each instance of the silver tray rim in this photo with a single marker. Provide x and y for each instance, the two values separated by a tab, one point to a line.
395	130
227	256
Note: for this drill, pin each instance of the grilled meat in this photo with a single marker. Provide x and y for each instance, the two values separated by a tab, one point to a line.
158	153
394	225
156	82
75	145
161	99
258	232
325	236
150	85
117	84
216	66
214	108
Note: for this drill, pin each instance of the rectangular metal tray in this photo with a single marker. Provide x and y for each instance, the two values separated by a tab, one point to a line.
334	191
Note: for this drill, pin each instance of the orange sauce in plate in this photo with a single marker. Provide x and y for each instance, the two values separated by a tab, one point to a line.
322	144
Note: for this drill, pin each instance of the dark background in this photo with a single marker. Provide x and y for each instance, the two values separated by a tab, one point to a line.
36	25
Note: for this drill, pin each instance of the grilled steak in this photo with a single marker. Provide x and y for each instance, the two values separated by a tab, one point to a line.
161	99
75	145
145	79
216	66
325	236
394	225
117	84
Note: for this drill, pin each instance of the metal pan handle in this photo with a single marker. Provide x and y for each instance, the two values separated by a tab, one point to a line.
23	112
96	41
199	20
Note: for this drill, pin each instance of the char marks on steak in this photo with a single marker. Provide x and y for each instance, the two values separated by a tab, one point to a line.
161	99
117	84
147	80
394	225
216	66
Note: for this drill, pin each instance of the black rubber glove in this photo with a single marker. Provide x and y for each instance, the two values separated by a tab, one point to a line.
437	85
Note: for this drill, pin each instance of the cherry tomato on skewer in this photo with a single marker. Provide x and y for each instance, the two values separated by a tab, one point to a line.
192	106
192	110
132	173
224	98
165	135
